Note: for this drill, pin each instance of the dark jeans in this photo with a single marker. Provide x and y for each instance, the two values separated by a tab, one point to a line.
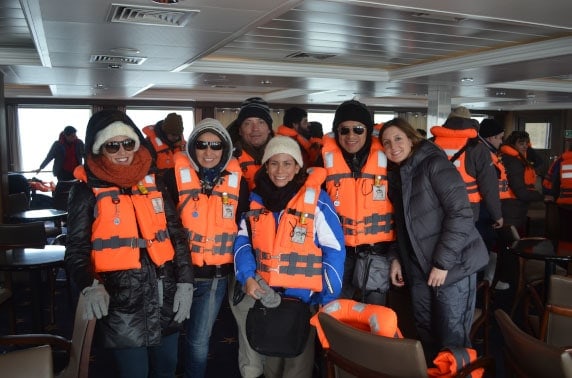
153	362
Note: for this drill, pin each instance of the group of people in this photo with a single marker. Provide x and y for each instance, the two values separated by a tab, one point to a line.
159	228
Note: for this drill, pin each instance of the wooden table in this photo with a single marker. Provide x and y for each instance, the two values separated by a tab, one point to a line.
33	260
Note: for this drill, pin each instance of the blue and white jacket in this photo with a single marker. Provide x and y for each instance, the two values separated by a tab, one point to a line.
329	238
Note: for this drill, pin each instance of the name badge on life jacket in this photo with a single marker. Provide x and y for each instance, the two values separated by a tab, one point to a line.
299	234
227	209
158	206
379	190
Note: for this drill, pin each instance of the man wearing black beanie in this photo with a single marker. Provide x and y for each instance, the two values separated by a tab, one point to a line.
357	184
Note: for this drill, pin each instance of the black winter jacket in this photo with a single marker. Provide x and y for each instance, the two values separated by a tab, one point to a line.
135	316
437	214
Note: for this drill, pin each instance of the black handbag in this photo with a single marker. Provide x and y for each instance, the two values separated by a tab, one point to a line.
279	332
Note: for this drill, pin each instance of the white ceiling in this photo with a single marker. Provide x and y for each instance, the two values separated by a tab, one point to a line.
514	54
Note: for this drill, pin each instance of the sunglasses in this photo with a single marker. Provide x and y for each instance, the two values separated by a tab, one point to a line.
202	145
113	147
358	130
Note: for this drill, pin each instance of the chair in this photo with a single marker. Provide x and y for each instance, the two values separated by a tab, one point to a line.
529	273
525	355
354	352
32	362
16	203
78	348
481	317
6	300
556	325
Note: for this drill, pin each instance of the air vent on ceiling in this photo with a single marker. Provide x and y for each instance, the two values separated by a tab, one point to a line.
437	17
111	59
158	16
305	55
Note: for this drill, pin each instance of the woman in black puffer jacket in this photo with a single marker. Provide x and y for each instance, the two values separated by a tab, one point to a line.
126	249
440	248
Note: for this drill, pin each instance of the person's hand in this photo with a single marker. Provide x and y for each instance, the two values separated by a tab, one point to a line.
396	274
182	302
38	170
270	298
548	198
498	223
96	301
436	277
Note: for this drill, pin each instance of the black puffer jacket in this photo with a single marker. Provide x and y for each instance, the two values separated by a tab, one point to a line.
135	316
437	214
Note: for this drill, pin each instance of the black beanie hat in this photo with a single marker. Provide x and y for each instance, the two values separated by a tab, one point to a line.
353	110
489	127
254	107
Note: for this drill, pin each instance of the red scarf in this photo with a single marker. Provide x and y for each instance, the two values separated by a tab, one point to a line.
123	176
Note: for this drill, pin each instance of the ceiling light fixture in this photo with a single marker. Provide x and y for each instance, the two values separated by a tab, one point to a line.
467	80
166	1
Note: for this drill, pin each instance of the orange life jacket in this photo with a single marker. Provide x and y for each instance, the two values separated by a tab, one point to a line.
209	220
452	141
165	158
360	200
504	190
565	195
450	360
287	255
248	167
529	173
120	219
310	149
379	320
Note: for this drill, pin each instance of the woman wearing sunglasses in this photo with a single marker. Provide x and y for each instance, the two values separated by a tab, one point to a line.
211	195
127	251
357	185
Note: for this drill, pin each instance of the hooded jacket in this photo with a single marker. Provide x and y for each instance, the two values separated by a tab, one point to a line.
437	214
210	212
136	315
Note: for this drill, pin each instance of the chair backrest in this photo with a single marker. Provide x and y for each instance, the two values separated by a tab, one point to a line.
22	235
17	202
82	337
525	355
364	354
556	328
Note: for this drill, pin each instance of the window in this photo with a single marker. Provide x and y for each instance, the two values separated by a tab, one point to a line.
382	117
325	118
539	134
39	127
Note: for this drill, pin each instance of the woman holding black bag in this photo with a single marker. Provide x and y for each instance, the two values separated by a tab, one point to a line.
289	249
